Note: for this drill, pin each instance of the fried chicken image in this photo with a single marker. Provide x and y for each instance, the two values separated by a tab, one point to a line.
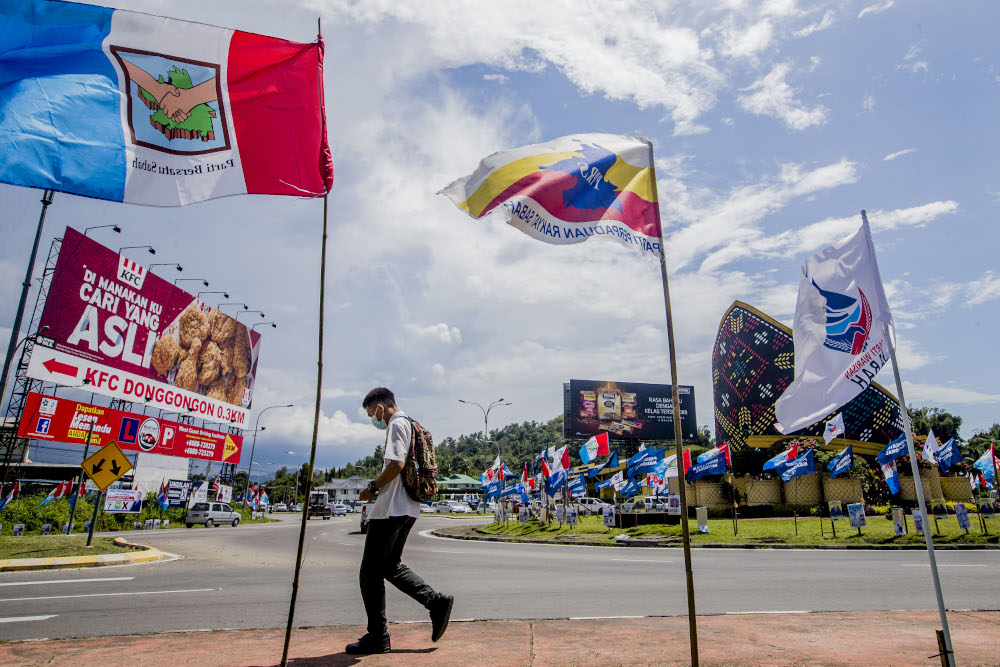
227	347
223	326
217	390
165	354
209	363
187	374
241	355
235	394
194	324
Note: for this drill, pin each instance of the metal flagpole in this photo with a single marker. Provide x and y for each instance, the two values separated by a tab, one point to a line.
678	435
25	286
914	467
315	433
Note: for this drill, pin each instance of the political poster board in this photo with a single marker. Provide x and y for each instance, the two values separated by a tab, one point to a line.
702	515
626	410
110	320
836	513
856	512
962	514
938	507
199	493
178	492
123	501
609	517
46	529
986	509
918	521
560	513
571	516
522	515
225	494
898	521
18	530
674	505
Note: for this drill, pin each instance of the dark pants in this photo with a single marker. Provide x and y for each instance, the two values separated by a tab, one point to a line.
381	561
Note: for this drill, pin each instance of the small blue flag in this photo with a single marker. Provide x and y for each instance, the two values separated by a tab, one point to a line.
948	456
578	487
800	465
608	483
714	466
842	462
892	451
630	489
554	482
612	463
649	463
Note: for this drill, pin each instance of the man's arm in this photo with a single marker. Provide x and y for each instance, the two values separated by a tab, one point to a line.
392	469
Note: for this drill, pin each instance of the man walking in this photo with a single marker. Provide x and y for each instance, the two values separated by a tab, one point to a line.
389	523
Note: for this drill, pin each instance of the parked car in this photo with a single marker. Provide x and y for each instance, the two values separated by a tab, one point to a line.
426	507
297	507
319	505
590	506
365	509
212	514
339	510
281	507
451	506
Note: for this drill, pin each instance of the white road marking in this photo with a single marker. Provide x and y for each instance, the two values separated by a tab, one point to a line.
599	618
745	613
19	619
347	544
940	565
641	560
64	581
442	551
102	595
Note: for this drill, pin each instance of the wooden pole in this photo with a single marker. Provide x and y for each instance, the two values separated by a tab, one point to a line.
315	432
678	434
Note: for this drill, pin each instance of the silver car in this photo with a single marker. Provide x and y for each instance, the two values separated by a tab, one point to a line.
212	514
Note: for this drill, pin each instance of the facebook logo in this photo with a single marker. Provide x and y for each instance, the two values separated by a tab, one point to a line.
43	425
128	431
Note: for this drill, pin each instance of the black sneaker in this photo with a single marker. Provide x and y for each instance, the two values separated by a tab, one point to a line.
440	615
368	645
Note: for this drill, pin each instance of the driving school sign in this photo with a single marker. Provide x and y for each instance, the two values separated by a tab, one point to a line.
63	420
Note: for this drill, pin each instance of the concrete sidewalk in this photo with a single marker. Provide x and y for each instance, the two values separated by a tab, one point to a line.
831	638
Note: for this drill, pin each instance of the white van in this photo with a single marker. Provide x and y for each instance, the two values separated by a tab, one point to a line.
590	506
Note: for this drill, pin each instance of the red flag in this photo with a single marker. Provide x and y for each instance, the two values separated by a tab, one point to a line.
687	460
545	468
725	448
603	444
565	457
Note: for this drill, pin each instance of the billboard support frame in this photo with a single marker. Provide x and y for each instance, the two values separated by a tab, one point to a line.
678	435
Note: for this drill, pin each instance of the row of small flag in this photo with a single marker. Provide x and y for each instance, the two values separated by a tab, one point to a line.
61	490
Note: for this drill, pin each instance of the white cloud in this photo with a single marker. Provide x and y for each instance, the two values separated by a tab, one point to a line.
747	42
936	394
893	156
868	104
822	24
441	332
876	8
772	96
499	78
984	289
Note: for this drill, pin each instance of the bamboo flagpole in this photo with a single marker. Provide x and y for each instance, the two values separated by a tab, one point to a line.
914	467
315	433
678	435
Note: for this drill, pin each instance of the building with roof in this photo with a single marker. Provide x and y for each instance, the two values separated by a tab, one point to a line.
344	490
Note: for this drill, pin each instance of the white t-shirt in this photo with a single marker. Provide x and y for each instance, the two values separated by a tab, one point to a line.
392	498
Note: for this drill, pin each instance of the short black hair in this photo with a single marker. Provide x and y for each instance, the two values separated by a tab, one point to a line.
379	395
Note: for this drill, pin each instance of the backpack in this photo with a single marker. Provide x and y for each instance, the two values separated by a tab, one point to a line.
420	470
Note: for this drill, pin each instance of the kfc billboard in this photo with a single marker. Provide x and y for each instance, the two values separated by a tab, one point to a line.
63	420
632	410
137	337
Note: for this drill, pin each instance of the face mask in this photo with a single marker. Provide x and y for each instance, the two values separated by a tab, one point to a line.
380	424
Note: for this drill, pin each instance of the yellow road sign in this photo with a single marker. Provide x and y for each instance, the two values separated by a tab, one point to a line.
106	465
229	448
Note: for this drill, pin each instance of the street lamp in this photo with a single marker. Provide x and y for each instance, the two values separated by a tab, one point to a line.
257	428
224	294
10	355
203	281
136	247
232	303
298	471
486	432
175	265
261	324
116	228
251	311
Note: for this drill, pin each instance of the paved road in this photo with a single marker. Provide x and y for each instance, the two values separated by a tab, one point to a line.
241	578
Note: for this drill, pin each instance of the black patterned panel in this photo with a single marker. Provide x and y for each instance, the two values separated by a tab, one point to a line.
754	361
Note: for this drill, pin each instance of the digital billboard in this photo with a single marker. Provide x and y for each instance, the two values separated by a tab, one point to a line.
63	420
137	337
629	410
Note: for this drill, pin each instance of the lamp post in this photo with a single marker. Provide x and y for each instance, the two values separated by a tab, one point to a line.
486	433
246	312
116	228
180	280
262	324
298	471
232	303
254	445
224	294
152	251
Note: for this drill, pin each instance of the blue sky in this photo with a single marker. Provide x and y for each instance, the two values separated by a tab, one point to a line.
774	124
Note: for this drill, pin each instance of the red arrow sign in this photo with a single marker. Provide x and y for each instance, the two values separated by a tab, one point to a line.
54	366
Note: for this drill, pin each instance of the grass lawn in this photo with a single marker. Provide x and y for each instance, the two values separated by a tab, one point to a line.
591	530
51	546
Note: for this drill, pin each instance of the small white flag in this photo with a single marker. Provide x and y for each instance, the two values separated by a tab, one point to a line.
931	448
834	427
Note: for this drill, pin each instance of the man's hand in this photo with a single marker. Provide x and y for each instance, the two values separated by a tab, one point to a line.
366	496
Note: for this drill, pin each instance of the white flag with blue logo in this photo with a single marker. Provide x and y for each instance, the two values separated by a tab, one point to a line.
839	332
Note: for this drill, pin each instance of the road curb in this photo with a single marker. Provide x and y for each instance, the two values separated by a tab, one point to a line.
145	555
727	545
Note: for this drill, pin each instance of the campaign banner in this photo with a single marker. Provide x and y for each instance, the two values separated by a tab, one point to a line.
123	501
137	337
178	491
630	410
63	420
224	494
